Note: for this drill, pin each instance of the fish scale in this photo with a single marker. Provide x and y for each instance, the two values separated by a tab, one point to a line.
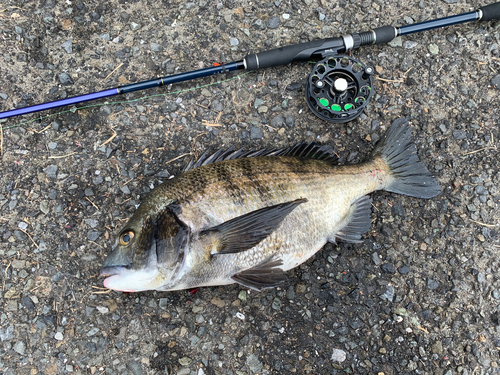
315	217
248	217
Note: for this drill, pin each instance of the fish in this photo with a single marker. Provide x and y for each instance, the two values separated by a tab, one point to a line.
247	217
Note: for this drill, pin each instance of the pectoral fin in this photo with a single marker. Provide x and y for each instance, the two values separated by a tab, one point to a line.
244	232
264	275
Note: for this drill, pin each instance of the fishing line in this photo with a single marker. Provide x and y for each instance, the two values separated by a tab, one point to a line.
74	109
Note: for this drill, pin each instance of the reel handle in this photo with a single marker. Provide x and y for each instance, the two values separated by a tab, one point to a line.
491	12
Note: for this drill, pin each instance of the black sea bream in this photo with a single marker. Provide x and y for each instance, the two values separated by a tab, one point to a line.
248	217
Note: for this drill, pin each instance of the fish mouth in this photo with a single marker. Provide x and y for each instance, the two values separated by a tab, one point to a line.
113	275
110	271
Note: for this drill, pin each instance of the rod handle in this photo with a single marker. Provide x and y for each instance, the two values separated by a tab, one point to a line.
295	52
384	34
491	12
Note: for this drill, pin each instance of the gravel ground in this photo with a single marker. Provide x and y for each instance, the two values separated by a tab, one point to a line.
421	295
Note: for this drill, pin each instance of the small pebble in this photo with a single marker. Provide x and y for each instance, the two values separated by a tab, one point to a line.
273	22
59	336
338	355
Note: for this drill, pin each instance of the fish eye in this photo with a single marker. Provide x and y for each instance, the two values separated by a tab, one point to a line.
126	237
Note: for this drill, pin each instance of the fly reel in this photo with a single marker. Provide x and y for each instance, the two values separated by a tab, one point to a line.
339	88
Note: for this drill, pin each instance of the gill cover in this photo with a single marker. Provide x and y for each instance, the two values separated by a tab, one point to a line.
148	257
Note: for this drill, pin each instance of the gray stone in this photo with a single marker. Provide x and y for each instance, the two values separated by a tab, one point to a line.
20	347
155	47
278	121
338	355
396	42
388	294
134	26
255	133
496	81
258	102
433	48
234	41
68	46
273	22
7	333
65	79
216	106
92	332
51	171
254	364
93	235
432	284
459	134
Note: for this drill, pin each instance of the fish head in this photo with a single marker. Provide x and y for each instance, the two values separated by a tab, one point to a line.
147	254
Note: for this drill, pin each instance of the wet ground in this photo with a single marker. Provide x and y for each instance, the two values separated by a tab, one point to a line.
420	295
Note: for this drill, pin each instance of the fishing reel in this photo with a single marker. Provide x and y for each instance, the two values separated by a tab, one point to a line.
339	88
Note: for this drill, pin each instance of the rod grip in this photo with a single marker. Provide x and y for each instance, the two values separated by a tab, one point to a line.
384	34
287	54
491	12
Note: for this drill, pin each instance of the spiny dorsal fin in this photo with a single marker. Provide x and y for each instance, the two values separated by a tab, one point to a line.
299	150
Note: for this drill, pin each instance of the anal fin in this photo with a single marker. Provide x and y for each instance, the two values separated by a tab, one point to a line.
358	221
264	275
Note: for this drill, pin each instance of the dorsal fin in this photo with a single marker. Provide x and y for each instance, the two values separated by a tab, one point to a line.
300	150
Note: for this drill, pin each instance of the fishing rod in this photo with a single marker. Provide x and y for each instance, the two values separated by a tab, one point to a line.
337	90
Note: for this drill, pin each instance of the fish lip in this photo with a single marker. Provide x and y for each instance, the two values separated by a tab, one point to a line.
111	271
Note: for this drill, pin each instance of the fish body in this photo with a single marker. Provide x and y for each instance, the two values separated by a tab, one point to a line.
250	218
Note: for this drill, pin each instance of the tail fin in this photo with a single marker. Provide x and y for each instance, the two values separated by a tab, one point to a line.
410	175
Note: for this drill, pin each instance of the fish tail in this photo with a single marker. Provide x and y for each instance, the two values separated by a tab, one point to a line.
409	175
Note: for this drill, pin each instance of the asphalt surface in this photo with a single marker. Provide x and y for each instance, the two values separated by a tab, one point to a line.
420	295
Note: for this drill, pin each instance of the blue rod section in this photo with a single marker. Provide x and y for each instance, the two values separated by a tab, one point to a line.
58	103
127	88
441	22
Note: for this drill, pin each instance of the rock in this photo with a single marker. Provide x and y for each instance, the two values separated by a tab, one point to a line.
234	41
388	294
459	134
437	348
432	284
404	270
216	106
258	102
338	355
51	171
273	22
7	333
255	133
185	361
59	336
388	268
277	121
20	347
68	46
433	48
254	364
156	47
65	79
396	42
495	82
218	302
294	86
134	26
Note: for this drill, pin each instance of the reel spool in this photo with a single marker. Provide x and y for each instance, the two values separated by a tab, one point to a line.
339	88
